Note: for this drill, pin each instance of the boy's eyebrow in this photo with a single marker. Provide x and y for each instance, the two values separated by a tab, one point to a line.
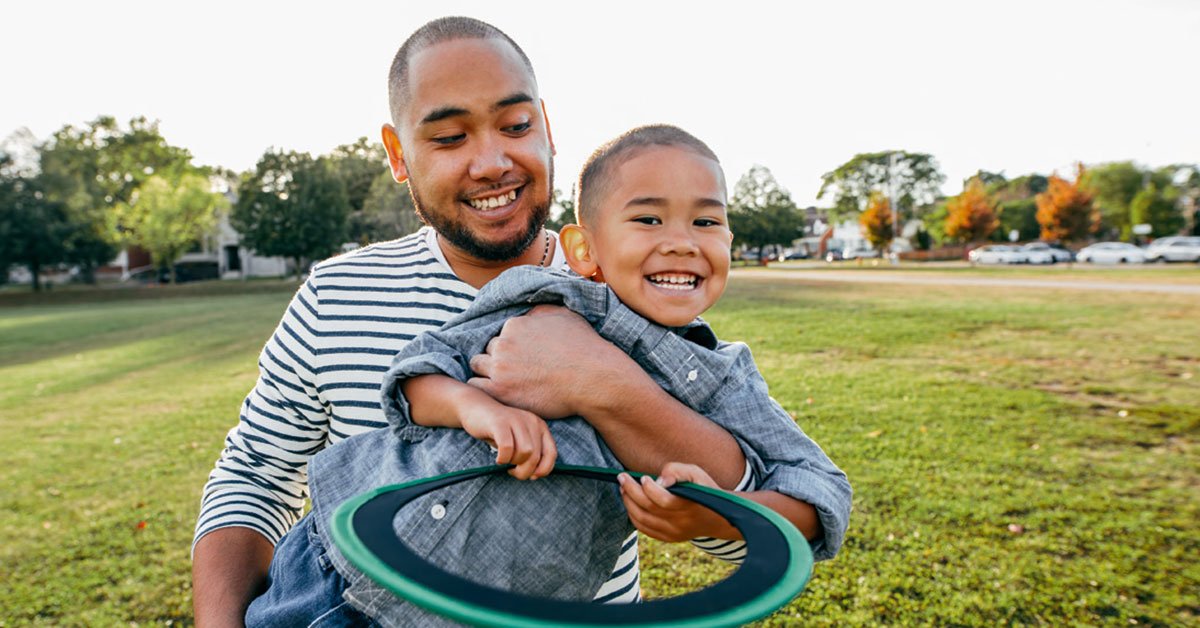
441	113
658	201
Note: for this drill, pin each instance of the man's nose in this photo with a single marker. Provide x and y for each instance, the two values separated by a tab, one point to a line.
490	160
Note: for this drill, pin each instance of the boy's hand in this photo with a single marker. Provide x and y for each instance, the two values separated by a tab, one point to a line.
520	438
658	514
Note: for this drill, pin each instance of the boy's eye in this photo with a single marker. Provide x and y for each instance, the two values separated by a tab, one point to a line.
448	140
648	220
707	222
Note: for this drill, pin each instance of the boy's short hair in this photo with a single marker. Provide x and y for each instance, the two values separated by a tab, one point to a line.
600	168
435	32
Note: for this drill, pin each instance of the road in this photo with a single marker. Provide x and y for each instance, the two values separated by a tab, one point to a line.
926	279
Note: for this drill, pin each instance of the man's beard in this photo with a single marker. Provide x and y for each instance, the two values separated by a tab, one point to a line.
459	235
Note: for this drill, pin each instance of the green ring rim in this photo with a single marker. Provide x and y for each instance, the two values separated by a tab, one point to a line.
774	597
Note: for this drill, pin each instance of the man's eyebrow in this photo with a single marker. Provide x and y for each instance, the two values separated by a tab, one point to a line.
515	99
442	113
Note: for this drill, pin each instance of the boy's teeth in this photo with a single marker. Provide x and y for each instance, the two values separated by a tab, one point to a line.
495	201
673	281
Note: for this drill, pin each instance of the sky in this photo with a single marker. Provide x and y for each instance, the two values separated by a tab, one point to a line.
1009	86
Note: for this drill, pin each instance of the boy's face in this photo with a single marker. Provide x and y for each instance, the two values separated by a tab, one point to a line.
661	236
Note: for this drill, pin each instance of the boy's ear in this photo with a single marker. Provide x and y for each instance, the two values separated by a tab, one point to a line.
395	154
578	251
546	121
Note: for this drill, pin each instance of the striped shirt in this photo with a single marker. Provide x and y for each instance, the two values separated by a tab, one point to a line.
319	383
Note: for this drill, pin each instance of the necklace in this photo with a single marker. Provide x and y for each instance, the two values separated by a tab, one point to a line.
546	250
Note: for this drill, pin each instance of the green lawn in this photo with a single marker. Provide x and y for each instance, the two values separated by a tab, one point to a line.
1018	456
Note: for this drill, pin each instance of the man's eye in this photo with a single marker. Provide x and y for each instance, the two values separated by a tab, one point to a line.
648	220
518	128
448	140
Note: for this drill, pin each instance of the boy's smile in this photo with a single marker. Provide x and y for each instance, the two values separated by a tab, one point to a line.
661	236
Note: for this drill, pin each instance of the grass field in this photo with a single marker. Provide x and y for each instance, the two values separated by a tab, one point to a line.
1018	456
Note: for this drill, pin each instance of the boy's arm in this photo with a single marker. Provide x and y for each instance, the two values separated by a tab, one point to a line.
519	437
552	363
661	515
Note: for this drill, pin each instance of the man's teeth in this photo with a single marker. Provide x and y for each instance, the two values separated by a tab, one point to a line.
494	202
673	281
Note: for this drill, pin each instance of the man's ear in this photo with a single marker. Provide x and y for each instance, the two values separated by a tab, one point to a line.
546	121
578	251
395	154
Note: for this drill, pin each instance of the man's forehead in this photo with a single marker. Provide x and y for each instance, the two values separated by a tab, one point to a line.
469	74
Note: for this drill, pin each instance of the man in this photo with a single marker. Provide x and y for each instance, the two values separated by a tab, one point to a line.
470	136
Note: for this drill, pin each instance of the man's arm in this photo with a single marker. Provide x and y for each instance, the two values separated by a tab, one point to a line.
552	363
257	488
229	569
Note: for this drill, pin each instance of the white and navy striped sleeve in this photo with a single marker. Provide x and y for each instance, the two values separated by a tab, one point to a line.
260	479
729	551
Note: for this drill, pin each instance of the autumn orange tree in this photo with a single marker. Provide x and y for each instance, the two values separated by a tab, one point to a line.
972	215
876	221
1065	210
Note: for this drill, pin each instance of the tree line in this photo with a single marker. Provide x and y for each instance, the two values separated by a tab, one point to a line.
78	197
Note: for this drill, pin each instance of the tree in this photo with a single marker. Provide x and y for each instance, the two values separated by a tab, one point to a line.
971	216
911	179
762	213
292	206
33	228
1157	209
565	205
359	165
878	222
92	169
166	217
387	212
1113	185
1065	210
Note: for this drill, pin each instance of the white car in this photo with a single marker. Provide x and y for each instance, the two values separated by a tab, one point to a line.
859	253
1044	253
1174	249
998	254
1111	253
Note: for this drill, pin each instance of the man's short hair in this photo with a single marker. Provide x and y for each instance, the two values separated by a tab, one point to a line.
598	171
435	32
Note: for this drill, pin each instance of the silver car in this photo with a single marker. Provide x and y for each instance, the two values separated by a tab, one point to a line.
1174	249
1045	253
1111	253
998	254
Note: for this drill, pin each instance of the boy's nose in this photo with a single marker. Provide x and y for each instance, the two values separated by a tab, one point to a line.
678	242
490	160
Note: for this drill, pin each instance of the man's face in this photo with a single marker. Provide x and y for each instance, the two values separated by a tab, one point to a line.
476	147
661	236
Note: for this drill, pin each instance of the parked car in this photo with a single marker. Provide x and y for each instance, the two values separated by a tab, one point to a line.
1046	253
1174	249
859	253
998	254
833	255
801	254
1111	253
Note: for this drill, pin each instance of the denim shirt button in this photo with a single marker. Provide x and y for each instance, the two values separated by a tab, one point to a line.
692	375
438	511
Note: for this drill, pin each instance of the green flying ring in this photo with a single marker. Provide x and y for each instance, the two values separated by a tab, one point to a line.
776	568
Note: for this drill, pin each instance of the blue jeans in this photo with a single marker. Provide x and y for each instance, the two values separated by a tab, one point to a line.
303	588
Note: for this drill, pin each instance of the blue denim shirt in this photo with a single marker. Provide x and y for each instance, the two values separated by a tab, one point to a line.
569	530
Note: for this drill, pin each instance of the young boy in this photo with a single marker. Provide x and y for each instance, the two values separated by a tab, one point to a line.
653	239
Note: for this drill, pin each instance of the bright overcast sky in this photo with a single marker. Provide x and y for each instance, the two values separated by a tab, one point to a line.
1015	86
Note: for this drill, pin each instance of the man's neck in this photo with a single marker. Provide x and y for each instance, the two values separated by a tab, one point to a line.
477	272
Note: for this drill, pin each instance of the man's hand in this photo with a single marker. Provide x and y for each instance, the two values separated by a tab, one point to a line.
520	438
538	360
658	514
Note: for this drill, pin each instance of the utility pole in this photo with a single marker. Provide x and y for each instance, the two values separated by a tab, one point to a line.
895	256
